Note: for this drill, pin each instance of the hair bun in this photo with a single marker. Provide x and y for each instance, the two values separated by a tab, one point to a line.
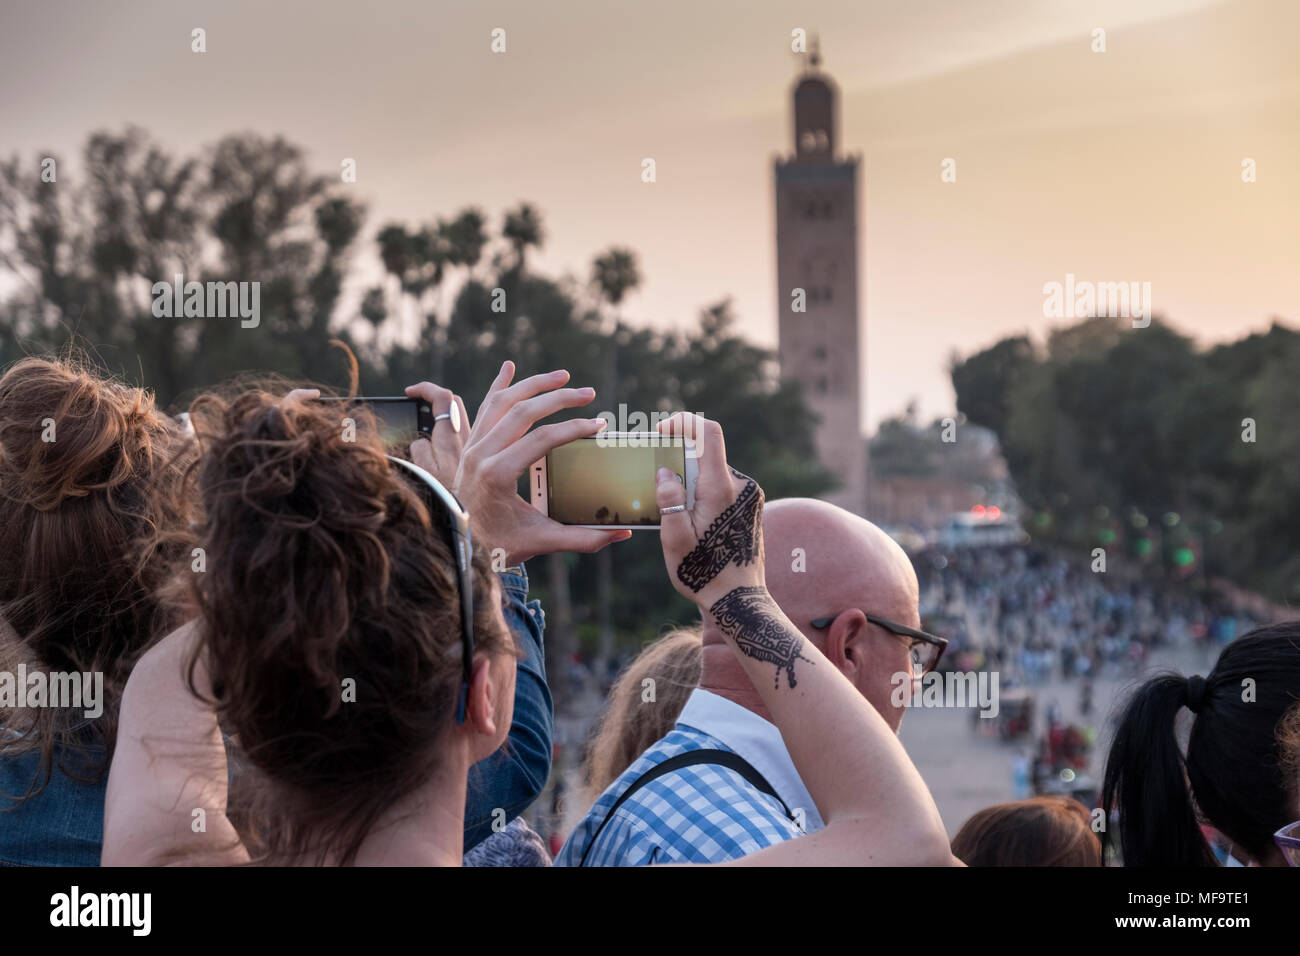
65	433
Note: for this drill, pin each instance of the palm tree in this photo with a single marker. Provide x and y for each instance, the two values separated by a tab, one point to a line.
465	236
615	274
418	260
373	308
522	229
458	242
396	254
432	254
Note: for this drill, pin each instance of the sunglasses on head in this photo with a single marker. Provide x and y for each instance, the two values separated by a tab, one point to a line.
450	515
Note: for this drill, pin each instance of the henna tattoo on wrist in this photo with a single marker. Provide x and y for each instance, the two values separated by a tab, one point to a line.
752	619
735	535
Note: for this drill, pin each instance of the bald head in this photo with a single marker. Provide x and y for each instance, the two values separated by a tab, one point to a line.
845	561
823	561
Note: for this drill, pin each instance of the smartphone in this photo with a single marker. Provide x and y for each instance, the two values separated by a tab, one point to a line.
401	419
608	481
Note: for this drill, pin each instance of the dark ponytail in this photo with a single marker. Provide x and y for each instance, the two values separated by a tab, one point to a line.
1232	763
1144	777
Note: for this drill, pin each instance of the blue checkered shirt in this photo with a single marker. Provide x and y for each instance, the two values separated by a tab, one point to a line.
703	813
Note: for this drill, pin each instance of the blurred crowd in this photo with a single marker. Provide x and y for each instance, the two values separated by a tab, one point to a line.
1037	614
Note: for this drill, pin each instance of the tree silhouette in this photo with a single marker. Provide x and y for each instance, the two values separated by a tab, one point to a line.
523	229
614	273
78	258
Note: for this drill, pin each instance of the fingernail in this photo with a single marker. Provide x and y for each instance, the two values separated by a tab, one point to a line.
588	391
599	421
664	474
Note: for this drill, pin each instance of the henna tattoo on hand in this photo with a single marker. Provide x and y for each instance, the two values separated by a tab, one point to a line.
735	535
752	619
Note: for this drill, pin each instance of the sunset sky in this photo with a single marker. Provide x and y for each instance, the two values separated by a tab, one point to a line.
1115	166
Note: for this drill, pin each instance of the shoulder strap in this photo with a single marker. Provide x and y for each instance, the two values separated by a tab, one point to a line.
722	758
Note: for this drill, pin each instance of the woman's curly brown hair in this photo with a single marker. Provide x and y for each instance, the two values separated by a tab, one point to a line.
321	565
91	480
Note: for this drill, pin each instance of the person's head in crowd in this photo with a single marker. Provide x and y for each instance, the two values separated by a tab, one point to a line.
1288	738
829	566
91	477
1232	775
330	629
1042	831
637	714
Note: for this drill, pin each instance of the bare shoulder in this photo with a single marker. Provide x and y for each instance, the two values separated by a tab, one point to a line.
159	679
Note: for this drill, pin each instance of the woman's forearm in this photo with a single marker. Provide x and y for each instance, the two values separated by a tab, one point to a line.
875	804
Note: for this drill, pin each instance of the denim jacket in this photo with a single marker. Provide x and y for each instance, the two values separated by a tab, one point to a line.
64	824
513	777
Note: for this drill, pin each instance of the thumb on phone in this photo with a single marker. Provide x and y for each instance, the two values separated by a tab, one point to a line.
676	533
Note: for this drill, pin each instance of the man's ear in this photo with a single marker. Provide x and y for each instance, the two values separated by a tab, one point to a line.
844	642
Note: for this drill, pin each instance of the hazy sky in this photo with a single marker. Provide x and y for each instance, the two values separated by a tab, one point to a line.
1115	166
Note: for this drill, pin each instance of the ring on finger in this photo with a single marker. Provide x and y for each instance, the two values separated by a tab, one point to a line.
452	414
673	510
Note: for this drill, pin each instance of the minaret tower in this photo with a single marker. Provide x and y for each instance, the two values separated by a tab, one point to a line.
817	253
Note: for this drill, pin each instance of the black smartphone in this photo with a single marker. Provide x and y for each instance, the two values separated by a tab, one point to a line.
401	419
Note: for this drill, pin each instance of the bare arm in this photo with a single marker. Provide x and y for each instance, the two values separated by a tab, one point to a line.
168	783
876	806
169	763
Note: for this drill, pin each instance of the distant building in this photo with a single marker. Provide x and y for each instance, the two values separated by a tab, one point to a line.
817	268
919	482
921	502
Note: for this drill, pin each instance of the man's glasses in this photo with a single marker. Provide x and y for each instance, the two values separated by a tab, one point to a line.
455	527
1288	841
926	649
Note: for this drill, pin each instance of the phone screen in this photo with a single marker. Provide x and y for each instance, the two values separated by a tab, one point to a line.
610	481
399	420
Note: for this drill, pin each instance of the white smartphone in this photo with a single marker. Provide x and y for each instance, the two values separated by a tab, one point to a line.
608	481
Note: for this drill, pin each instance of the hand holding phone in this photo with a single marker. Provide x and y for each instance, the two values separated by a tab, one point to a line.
439	450
712	544
501	448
